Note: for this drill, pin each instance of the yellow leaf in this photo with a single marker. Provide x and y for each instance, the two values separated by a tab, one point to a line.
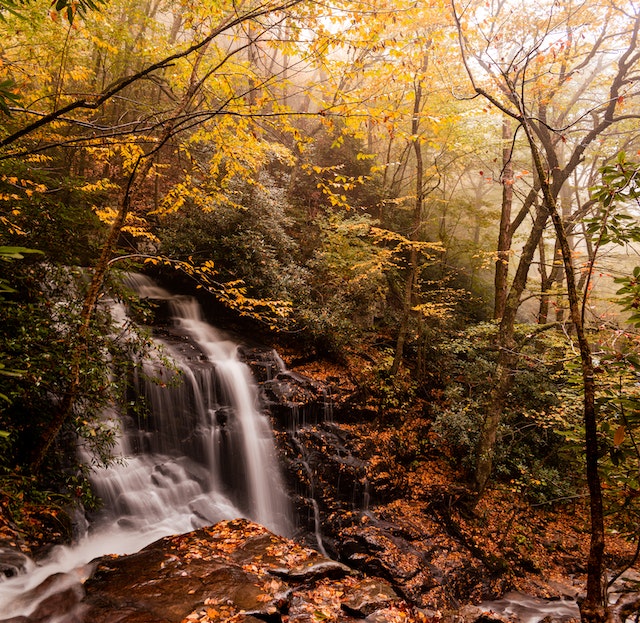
618	436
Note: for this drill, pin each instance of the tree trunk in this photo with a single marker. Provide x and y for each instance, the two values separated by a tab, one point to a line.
505	233
557	275
543	310
501	384
65	408
412	272
546	283
594	607
407	301
136	179
506	357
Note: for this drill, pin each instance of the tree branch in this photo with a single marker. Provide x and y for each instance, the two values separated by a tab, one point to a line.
122	83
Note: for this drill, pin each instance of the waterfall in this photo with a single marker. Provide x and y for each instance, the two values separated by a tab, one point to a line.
193	450
204	445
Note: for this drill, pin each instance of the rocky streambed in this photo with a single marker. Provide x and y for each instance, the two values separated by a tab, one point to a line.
384	533
365	498
233	571
238	571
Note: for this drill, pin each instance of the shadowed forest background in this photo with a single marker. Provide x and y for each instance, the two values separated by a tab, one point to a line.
430	206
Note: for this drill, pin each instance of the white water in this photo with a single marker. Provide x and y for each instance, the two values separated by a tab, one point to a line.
528	609
204	453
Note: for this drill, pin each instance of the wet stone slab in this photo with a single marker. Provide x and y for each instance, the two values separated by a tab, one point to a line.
233	570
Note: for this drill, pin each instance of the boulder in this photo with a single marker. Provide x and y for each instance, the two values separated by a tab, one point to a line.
235	570
372	549
368	596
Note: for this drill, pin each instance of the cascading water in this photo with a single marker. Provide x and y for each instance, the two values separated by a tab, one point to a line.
202	452
204	445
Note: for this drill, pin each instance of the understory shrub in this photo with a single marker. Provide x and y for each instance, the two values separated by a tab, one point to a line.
532	454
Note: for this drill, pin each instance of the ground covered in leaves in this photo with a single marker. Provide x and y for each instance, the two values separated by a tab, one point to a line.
421	513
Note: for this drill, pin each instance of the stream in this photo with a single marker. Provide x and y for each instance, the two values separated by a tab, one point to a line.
530	609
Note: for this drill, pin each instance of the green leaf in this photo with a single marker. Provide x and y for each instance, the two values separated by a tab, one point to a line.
7	96
15	253
73	7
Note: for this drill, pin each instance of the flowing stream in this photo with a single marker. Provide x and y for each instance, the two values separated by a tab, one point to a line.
200	452
528	609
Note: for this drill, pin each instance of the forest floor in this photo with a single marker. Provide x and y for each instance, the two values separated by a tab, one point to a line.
538	549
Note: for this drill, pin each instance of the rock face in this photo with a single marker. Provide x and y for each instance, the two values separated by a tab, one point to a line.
235	570
339	496
292	400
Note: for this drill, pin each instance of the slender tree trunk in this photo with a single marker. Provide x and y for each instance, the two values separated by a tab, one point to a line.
543	310
65	408
504	234
136	179
252	57
407	304
501	384
476	245
594	607
587	267
507	356
546	283
412	271
561	301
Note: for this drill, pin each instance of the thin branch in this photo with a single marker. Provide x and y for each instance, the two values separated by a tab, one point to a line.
122	83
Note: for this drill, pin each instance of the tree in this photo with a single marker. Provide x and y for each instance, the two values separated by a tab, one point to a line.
528	80
413	131
134	144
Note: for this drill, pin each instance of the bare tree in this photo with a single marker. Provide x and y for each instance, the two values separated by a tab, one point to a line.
514	87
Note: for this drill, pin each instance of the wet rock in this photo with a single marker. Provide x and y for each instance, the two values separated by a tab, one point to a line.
12	561
171	578
314	570
476	614
293	400
235	569
563	589
321	465
58	596
65	603
368	596
265	363
375	550
339	495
